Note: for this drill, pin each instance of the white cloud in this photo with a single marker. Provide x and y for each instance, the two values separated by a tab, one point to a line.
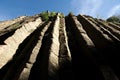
114	10
89	7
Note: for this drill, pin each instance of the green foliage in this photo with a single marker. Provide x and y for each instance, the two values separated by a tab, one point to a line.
52	14
44	16
47	15
114	19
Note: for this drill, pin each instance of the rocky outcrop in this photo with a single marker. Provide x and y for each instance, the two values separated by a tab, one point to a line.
62	48
11	43
7	23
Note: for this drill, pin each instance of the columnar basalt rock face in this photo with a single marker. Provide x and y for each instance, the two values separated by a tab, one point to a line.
63	48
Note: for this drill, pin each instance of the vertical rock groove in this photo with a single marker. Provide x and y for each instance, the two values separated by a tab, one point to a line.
65	69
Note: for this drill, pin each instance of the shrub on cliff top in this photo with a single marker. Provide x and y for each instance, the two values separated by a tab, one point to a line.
47	15
114	19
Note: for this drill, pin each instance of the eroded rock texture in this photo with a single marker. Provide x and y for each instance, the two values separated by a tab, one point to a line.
63	48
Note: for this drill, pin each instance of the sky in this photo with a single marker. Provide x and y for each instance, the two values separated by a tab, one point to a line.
10	9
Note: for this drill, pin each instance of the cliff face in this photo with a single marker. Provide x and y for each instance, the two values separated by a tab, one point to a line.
62	48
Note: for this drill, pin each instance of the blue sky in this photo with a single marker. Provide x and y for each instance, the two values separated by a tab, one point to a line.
97	8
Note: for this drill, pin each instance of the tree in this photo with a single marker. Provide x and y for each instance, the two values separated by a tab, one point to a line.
47	15
115	18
